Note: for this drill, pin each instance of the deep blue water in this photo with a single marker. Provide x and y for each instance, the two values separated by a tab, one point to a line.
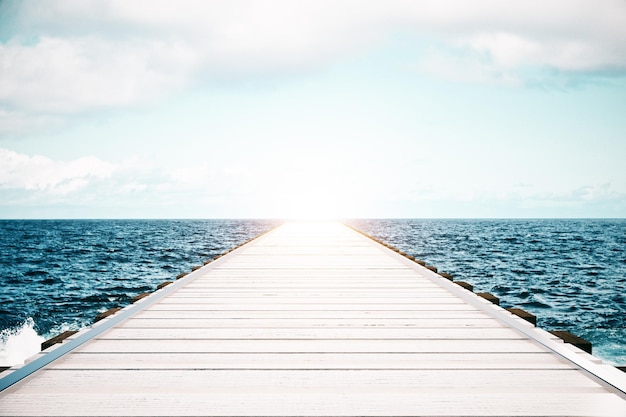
62	273
570	273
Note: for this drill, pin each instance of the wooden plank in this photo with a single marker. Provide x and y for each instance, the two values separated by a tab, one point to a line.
318	346
293	322
205	382
305	402
304	286
378	360
376	333
349	275
289	292
234	300
350	279
314	307
313	267
155	312
325	281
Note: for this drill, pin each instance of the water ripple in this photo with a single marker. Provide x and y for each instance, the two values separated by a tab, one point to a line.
62	273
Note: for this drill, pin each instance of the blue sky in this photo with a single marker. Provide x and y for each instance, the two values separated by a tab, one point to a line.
156	109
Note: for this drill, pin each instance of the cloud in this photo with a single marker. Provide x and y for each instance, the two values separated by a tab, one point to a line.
13	123
59	75
34	180
70	56
596	192
191	176
42	174
463	65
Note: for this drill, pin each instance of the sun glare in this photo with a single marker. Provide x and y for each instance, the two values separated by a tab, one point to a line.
314	187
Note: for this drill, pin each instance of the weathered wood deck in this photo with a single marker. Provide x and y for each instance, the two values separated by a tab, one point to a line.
314	319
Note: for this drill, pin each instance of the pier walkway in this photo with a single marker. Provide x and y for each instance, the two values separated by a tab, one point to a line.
313	319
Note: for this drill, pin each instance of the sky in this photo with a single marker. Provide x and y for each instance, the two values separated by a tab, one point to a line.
291	109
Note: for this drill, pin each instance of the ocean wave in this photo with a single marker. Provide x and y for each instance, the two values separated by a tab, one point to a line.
19	343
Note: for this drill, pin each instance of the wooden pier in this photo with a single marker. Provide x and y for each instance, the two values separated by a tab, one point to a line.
313	319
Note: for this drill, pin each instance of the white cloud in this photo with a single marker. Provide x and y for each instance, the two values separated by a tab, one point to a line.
67	75
15	122
605	191
505	49
511	51
37	180
191	176
73	56
465	67
42	174
134	187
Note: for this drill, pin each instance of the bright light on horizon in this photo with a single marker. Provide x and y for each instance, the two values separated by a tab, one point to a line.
311	184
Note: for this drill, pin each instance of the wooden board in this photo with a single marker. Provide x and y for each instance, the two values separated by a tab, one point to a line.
328	360
304	323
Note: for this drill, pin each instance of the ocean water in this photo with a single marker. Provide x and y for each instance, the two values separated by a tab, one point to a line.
57	275
570	273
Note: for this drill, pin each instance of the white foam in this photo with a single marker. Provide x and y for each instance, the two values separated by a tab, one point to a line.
19	344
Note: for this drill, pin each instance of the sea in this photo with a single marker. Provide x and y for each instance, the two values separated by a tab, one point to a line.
57	275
